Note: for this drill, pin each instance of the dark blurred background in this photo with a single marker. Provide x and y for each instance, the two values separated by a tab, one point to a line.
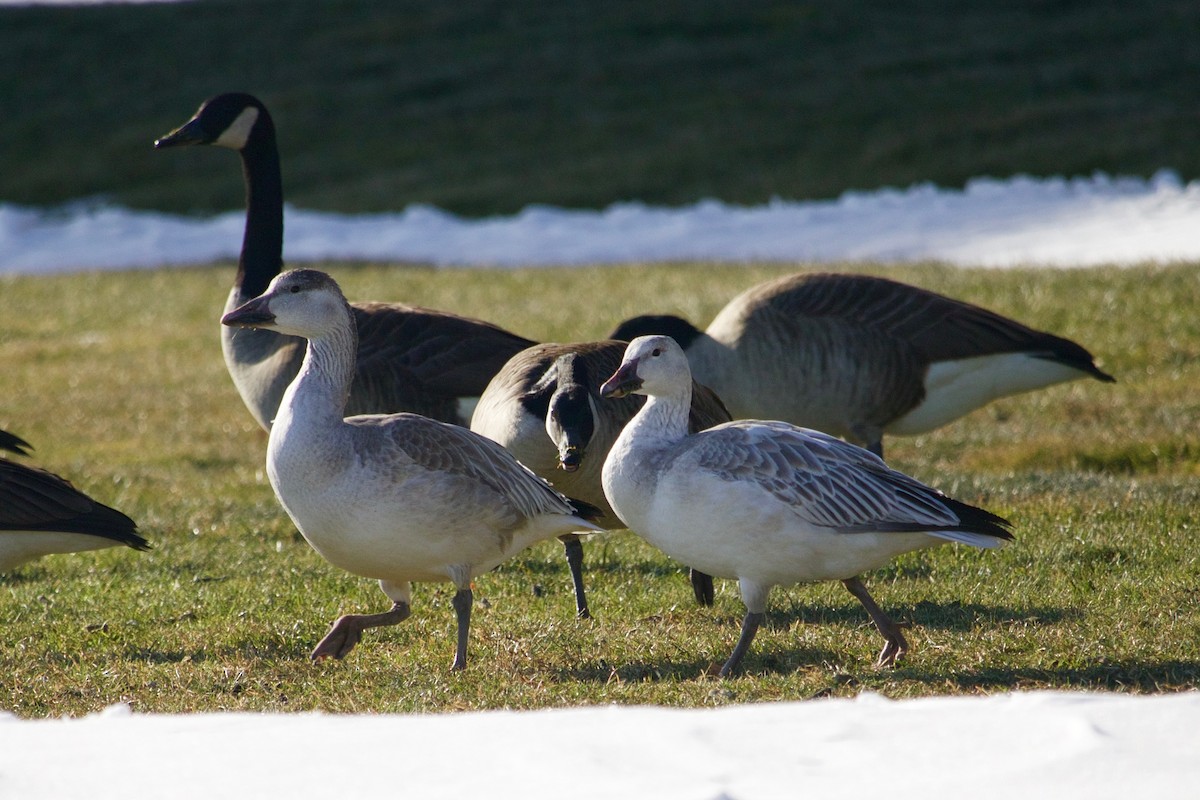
484	107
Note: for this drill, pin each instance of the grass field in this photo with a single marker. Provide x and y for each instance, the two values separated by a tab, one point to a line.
117	380
485	107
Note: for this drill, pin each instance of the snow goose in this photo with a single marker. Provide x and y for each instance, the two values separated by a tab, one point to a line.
42	514
399	497
409	358
859	356
544	406
767	502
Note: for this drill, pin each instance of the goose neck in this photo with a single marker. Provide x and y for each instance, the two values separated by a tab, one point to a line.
664	416
327	371
262	244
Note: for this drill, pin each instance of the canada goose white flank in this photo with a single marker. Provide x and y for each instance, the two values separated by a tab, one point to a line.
768	503
397	498
42	514
860	356
409	358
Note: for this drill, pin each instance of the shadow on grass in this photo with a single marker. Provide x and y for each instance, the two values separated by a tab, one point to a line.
292	650
27	573
953	616
781	658
755	663
598	566
1128	675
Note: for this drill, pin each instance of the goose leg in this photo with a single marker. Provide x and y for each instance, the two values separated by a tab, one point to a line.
462	602
895	646
574	551
702	587
750	625
870	436
347	631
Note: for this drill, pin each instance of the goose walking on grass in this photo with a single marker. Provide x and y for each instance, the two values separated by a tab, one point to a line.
768	503
42	514
397	498
409	358
859	356
544	406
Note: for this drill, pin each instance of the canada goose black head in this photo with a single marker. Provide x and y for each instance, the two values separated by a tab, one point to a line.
240	122
570	417
677	328
233	120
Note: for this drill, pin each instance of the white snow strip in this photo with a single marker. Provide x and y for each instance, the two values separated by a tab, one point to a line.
1053	222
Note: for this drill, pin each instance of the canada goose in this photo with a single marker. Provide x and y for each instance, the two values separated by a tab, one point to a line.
859	356
544	406
42	514
767	502
409	358
398	497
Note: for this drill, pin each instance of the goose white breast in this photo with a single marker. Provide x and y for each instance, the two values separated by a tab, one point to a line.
859	356
42	514
400	497
766	502
409	358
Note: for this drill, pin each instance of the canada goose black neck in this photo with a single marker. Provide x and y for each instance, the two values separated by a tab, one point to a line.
262	245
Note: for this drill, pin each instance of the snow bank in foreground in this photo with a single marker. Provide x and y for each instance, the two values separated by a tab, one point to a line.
1020	221
1043	744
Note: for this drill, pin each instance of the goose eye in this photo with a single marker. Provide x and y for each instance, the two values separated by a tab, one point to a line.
656	351
295	290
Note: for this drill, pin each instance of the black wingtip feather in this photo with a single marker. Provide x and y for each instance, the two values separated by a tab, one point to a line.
979	520
586	511
14	444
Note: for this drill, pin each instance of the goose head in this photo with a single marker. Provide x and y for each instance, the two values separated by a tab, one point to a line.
652	365
227	120
677	328
571	414
299	302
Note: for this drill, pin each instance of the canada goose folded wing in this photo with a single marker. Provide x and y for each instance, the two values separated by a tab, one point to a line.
939	327
33	499
42	514
422	360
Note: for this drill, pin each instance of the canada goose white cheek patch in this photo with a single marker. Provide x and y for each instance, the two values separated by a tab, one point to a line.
238	133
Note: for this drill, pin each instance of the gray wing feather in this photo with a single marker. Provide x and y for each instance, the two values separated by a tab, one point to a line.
825	480
442	447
